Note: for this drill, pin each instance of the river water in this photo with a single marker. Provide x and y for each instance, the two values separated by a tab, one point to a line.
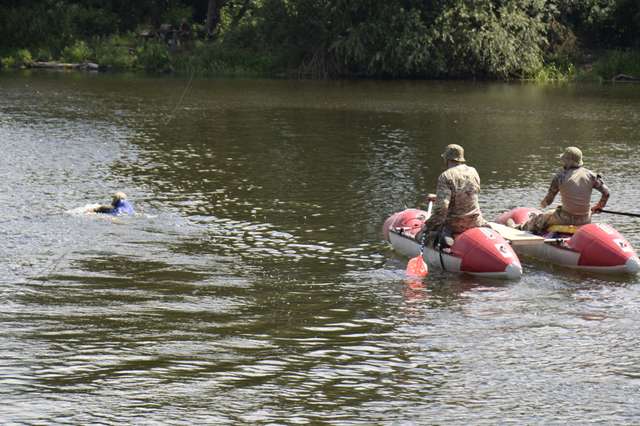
255	286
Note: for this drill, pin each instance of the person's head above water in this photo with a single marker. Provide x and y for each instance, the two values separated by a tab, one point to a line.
117	197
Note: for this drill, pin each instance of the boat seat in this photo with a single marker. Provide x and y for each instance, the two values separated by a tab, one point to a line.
564	229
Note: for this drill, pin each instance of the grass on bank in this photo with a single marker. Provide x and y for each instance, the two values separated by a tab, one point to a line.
613	63
603	66
128	53
553	72
214	58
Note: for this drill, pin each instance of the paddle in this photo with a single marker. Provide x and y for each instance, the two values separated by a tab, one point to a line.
620	213
417	266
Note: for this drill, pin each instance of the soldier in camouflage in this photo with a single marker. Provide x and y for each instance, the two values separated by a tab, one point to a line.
456	206
575	183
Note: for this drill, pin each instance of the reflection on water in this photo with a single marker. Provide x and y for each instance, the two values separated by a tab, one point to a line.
255	288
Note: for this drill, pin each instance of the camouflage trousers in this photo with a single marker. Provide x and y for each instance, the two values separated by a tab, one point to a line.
444	234
539	223
460	224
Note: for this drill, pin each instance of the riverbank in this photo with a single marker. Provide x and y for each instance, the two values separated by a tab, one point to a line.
481	40
214	59
134	53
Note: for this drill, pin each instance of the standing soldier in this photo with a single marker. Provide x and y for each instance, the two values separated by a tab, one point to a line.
575	184
456	201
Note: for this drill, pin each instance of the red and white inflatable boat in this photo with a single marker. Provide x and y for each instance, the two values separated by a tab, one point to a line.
594	247
478	251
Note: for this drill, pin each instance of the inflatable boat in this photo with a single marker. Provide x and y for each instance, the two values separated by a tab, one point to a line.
595	247
478	251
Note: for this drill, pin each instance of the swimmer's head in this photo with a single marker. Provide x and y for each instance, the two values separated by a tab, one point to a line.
117	197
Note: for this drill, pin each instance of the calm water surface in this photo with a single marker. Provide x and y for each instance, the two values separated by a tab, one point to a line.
255	286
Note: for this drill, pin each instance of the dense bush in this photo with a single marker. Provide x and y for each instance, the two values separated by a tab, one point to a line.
52	23
154	56
216	59
77	52
615	62
405	38
115	52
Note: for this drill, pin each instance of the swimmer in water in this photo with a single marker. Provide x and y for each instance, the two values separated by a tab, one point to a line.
119	206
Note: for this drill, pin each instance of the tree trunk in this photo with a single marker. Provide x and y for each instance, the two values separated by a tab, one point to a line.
213	15
157	8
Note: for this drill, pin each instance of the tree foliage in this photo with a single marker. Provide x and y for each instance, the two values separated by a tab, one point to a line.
324	38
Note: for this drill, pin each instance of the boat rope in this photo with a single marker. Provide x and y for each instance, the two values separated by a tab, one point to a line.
184	92
439	242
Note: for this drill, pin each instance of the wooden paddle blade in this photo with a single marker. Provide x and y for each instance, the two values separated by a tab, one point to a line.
417	268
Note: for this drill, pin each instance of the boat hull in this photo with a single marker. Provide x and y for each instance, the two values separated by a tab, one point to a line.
478	251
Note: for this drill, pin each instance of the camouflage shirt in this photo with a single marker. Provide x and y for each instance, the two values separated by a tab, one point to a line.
575	185
457	200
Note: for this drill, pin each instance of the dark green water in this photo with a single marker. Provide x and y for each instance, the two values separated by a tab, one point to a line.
256	288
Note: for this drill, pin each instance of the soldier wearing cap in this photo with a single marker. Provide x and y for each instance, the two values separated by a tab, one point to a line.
456	206
119	205
575	184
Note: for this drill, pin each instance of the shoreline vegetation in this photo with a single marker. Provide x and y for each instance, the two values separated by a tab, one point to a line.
532	40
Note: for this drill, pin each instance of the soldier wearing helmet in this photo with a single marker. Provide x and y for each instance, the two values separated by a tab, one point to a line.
456	206
575	184
119	205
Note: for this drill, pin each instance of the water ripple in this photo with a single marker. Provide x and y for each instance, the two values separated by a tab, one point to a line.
255	287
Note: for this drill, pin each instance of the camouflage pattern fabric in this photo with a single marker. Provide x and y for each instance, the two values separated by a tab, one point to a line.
456	206
539	223
575	185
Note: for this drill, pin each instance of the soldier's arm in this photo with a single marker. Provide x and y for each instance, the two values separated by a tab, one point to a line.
553	190
441	207
600	186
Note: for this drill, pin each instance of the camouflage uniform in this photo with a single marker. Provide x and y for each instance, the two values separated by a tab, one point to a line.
575	184
456	205
456	202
